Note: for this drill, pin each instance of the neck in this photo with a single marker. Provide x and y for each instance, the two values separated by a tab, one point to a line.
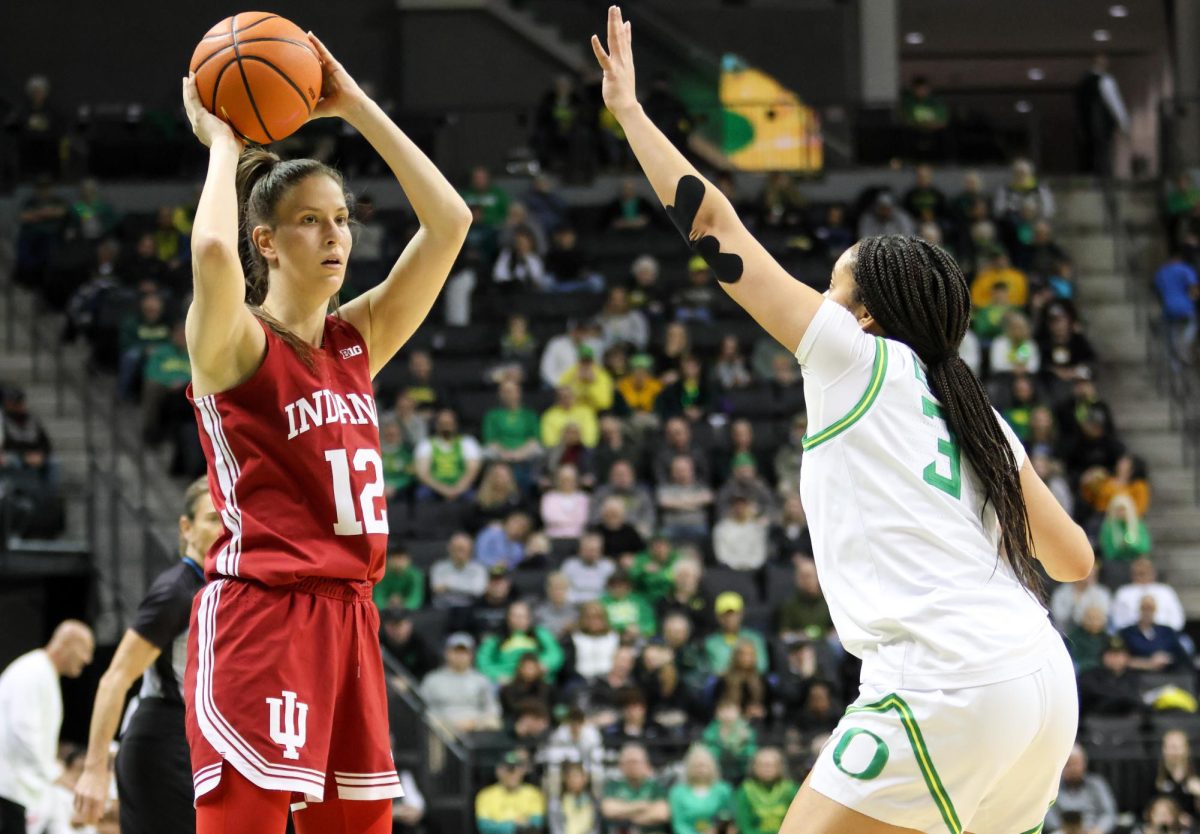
304	317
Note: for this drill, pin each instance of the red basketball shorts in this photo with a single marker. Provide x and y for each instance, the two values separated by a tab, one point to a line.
287	686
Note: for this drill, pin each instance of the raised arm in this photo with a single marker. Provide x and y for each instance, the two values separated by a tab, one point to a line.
746	270
225	343
1058	542
387	315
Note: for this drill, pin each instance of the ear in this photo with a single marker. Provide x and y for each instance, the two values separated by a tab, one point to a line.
185	527
264	240
866	322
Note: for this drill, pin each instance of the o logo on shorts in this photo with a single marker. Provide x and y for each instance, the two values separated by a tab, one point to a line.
874	767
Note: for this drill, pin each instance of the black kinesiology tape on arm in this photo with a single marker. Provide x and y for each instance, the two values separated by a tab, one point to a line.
689	194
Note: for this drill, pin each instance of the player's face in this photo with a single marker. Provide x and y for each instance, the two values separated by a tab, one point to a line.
202	529
844	290
311	239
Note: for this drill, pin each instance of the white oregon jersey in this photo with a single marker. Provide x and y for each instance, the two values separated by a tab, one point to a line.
905	551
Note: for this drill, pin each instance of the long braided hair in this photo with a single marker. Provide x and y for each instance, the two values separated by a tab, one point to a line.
919	296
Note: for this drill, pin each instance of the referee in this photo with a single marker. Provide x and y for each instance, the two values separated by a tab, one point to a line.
154	772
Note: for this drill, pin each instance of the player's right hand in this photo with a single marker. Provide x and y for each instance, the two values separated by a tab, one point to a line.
207	127
91	796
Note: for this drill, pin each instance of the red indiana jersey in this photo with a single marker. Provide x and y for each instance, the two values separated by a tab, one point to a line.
294	466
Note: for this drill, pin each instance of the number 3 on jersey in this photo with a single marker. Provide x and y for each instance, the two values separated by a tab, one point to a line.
951	485
347	523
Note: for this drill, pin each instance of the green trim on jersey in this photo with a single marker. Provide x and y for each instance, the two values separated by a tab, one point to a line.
932	781
878	372
1037	829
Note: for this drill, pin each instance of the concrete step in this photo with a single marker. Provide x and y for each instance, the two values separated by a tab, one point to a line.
1103	287
1090	252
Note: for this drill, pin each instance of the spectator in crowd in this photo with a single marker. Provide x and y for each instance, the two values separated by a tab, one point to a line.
23	439
31	713
926	118
140	332
997	270
683	503
1052	472
489	614
1153	647
622	485
593	644
567	410
1042	256
1112	688
730	371
561	130
618	443
628	612
740	537
1164	816
490	198
669	356
564	509
972	192
743	684
1071	599
1101	112
621	539
555	613
690	396
402	584
686	597
925	201
528	684
503	542
499	496
634	722
789	456
1144	582
500	653
762	800
1123	534
402	641
1087	639
166	412
621	322
510	805
701	801
790	535
731	739
567	266
91	217
519	266
421	385
653	569
170	244
1099	487
1022	187
805	615
518	343
1182	196
38	130
1062	347
689	659
1176	778
820	712
885	218
834	234
629	211
1178	290
397	453
545	204
570	451
1014	350
590	380
602	698
413	424
408	810
448	463
457	581
695	299
745	482
804	666
781	204
646	291
510	433
41	220
669	698
1085	793
718	646
640	388
635	802
574	809
589	571
1023	399
576	740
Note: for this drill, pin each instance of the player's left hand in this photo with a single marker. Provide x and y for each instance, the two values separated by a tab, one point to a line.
340	93
620	85
91	795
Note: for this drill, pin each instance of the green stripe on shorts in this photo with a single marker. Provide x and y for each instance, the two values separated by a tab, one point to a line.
937	790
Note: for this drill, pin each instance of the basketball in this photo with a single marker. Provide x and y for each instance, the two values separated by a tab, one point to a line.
259	72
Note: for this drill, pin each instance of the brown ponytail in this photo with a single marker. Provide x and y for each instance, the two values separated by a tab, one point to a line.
262	181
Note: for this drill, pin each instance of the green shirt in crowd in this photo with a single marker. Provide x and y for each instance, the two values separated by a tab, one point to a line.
493	202
718	648
397	465
989	321
695	812
1122	541
137	333
649	791
168	364
632	610
651	578
498	659
733	747
510	429
408	584
759	808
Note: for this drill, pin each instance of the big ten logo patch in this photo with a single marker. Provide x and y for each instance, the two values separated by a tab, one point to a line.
289	723
356	350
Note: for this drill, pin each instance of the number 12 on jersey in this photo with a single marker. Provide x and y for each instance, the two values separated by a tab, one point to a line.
347	523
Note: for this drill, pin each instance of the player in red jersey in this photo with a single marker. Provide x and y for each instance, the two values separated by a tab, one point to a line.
284	687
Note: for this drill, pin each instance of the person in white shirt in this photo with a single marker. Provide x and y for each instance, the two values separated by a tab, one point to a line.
588	572
927	521
1071	599
562	352
31	717
740	539
458	693
1144	583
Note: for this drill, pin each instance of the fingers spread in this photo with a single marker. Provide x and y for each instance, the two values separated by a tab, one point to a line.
601	55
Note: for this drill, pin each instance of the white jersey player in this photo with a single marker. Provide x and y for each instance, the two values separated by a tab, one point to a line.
927	521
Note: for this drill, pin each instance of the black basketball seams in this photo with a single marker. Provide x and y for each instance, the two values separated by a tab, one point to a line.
246	81
243	29
224	49
282	75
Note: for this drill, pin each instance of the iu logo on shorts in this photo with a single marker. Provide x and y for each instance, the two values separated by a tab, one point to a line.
288	729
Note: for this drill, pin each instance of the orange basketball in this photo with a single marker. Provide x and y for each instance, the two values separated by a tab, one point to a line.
259	72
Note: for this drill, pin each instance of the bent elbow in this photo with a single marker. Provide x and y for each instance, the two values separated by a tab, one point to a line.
212	249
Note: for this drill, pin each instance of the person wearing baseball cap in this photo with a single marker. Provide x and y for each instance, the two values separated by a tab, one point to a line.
458	693
640	387
1112	688
511	804
718	646
592	383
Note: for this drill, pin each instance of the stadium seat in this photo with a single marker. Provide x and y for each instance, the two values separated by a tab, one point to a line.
425	552
529	583
720	579
780	584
